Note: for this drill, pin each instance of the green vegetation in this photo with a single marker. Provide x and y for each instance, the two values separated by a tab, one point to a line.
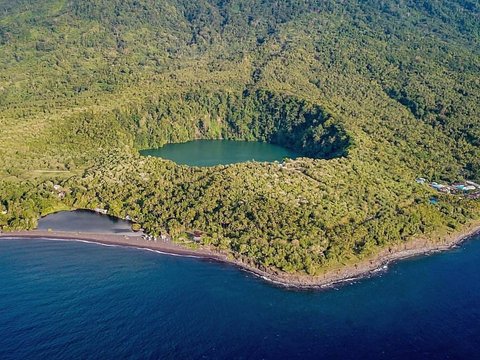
374	93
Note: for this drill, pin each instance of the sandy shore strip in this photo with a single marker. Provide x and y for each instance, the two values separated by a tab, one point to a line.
136	241
331	278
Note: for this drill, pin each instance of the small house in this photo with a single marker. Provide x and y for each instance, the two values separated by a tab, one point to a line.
474	196
100	211
445	189
165	237
472	184
196	235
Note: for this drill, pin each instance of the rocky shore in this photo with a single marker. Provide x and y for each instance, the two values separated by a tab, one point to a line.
330	278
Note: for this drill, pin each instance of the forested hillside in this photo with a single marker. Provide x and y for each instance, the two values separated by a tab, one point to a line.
373	93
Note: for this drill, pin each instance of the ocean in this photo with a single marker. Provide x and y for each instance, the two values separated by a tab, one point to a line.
74	300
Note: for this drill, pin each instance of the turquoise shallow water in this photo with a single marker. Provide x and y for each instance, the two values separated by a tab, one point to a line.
64	300
220	152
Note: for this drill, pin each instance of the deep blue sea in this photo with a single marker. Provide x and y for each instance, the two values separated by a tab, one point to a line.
72	300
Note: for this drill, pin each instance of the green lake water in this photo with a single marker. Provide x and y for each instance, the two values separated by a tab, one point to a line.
220	152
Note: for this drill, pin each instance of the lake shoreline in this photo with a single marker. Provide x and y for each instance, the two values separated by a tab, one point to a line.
348	273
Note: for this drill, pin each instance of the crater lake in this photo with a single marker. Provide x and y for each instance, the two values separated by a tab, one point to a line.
220	152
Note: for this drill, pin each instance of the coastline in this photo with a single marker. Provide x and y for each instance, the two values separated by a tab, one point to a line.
348	273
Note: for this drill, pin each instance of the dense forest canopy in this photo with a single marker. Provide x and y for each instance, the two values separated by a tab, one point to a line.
374	93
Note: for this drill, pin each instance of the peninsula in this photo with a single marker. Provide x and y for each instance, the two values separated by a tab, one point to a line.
329	278
368	112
